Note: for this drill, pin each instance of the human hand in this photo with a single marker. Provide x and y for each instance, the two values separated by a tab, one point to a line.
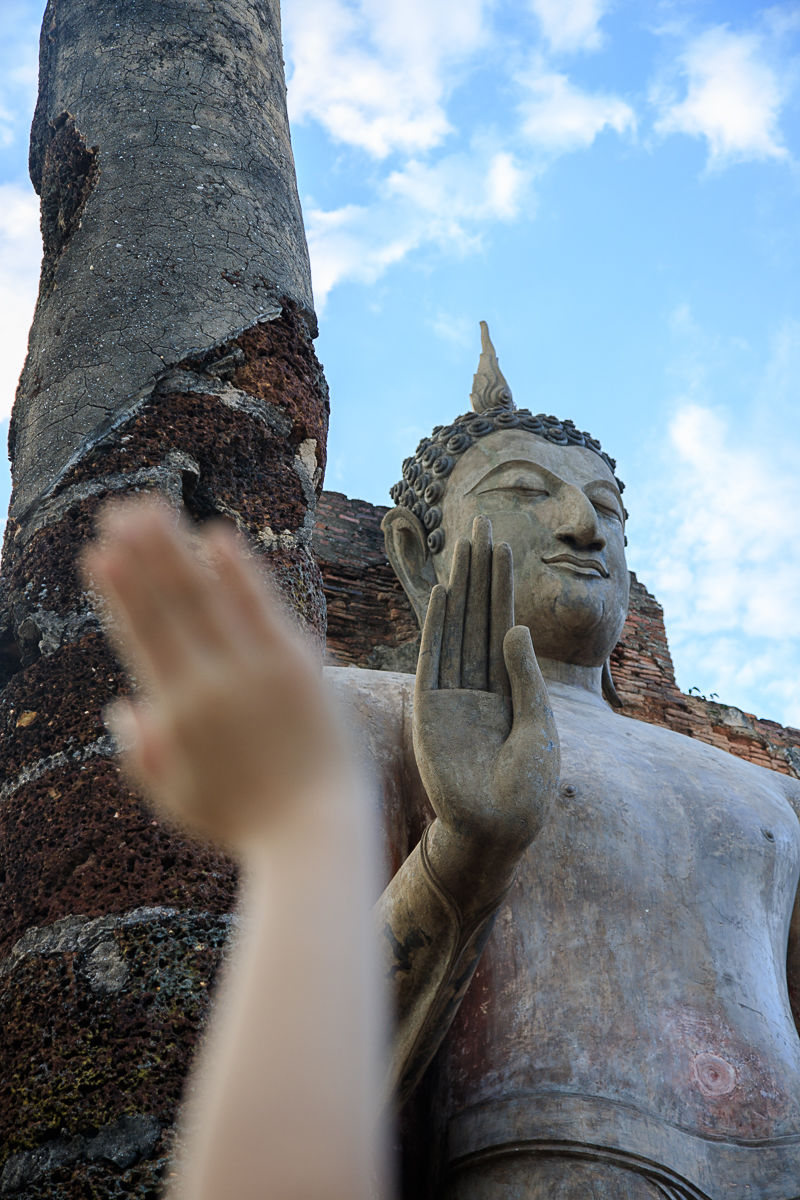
484	735
232	731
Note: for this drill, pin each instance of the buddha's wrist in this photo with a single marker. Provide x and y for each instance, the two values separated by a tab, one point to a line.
472	870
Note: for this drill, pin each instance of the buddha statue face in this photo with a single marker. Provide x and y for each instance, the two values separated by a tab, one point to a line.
560	510
550	493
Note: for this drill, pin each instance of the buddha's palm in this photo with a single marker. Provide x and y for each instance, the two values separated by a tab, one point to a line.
484	736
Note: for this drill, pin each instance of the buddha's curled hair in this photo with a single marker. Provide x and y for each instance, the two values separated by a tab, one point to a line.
424	474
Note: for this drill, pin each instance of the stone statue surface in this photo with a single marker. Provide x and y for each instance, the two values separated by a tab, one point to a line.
595	937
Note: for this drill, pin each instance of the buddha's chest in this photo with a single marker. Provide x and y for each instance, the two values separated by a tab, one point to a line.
641	954
648	819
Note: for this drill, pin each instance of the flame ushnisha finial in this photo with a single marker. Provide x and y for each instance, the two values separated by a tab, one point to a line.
489	387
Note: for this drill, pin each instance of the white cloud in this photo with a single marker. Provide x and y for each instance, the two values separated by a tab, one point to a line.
375	73
570	25
18	68
559	116
460	331
20	255
733	98
446	203
722	557
779	393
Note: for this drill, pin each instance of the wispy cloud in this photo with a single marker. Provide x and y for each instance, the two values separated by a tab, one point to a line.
458	330
559	116
445	203
718	544
20	252
732	94
374	73
570	25
18	68
379	76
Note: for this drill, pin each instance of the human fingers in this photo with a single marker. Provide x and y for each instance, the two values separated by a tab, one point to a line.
450	668
528	691
142	747
253	605
474	673
164	600
108	571
501	616
430	649
163	551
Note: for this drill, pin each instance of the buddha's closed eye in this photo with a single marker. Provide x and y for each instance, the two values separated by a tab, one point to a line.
519	486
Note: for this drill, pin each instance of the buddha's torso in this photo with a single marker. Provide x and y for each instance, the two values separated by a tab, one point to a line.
632	999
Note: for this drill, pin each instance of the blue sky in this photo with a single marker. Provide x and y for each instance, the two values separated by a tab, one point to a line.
614	187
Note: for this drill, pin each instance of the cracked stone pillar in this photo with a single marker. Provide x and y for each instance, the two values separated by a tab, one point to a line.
170	351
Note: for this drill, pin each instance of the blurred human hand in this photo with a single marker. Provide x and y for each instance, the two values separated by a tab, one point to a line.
231	731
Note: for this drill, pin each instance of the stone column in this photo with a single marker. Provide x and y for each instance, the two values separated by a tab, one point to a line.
170	351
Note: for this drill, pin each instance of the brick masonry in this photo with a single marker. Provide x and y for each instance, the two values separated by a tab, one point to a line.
372	624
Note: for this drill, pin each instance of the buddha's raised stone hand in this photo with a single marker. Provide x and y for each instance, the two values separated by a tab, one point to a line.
484	735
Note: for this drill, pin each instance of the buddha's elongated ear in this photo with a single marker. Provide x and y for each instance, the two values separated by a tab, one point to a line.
610	692
407	551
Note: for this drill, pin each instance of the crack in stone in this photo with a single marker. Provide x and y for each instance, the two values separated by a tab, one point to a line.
168	475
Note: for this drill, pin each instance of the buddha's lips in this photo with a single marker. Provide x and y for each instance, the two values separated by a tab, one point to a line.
583	566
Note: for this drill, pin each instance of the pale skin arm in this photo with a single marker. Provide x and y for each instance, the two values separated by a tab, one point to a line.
237	740
487	750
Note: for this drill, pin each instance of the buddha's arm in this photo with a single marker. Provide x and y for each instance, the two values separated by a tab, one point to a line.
793	963
793	949
431	944
487	752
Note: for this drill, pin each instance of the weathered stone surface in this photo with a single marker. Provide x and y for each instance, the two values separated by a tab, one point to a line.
120	1144
629	1029
173	111
77	839
100	1017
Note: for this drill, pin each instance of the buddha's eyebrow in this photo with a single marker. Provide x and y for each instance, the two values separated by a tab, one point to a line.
594	484
520	464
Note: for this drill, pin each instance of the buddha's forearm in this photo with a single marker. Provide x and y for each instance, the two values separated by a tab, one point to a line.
432	941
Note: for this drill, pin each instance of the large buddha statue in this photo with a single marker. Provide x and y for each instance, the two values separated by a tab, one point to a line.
593	942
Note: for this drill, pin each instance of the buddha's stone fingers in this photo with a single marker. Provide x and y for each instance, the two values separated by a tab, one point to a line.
475	650
530	703
450	668
430	650
501	617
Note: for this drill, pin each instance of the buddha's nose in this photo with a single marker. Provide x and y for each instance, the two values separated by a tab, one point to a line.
578	524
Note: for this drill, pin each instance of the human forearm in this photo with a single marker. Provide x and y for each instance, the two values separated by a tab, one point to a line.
237	740
282	1103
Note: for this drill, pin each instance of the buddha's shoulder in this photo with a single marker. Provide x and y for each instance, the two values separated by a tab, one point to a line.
692	754
376	700
358	681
